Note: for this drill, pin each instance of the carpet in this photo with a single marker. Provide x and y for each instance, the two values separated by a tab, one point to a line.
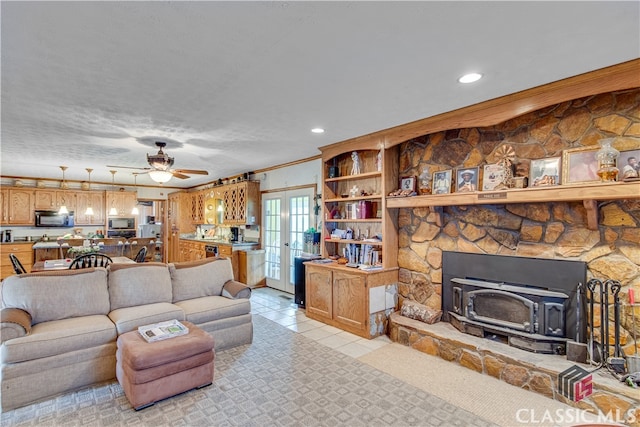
281	379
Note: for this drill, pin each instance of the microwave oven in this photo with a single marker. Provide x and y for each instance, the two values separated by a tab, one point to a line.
122	223
53	219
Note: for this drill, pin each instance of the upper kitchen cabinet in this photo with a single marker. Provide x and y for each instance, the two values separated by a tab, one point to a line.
241	203
95	199
17	206
122	201
54	199
197	206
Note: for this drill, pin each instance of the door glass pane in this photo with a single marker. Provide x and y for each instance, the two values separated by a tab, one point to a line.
272	239
299	207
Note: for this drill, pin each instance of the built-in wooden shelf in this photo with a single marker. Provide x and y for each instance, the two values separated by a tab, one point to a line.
353	177
359	242
355	199
355	220
588	194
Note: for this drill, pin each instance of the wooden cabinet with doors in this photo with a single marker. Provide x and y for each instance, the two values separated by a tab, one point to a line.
54	199
197	207
95	199
17	206
191	251
122	201
241	203
340	296
24	253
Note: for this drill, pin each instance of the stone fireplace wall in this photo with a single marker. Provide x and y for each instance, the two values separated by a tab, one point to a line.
545	230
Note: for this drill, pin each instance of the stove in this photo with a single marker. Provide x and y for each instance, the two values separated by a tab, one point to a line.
530	303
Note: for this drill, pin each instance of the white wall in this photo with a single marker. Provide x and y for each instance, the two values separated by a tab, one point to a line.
292	176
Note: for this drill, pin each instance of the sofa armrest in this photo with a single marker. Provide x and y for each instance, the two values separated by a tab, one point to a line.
14	323
233	289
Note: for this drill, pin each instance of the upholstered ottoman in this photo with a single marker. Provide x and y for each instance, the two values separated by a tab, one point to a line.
149	372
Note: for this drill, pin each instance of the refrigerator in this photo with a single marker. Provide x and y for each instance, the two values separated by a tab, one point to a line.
149	230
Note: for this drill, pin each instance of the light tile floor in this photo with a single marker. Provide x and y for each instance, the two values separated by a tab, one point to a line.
280	307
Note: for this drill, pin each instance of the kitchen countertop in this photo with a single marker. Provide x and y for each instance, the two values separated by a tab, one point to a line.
220	242
55	245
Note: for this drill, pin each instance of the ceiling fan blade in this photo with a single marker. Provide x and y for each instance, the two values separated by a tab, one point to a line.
192	171
179	175
127	167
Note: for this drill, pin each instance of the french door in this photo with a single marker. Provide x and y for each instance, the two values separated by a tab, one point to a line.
286	216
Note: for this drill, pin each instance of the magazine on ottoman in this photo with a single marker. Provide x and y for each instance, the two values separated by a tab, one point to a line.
163	330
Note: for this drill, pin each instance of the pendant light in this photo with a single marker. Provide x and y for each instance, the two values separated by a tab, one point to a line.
63	185
89	211
113	211
135	210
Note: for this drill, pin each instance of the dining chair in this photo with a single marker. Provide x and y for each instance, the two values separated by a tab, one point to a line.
17	265
90	260
141	255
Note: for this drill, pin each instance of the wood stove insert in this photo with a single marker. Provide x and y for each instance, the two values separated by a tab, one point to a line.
530	303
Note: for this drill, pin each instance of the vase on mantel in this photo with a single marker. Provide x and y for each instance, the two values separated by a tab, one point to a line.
607	161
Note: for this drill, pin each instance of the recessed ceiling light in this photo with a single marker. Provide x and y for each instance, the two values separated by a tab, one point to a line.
470	78
317	130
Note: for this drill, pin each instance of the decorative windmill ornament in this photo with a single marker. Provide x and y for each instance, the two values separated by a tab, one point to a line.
505	155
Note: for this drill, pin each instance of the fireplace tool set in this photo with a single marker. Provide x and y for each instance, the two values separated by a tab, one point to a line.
602	353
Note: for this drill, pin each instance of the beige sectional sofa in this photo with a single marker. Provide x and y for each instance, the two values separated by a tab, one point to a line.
59	329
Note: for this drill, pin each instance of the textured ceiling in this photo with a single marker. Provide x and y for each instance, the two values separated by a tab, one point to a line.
236	86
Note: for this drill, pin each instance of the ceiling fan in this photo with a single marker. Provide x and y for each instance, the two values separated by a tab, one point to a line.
160	170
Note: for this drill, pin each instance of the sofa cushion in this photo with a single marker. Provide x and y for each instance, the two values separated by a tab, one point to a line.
207	309
131	285
58	337
195	279
129	318
55	295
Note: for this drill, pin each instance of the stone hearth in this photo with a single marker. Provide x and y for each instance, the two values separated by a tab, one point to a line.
520	368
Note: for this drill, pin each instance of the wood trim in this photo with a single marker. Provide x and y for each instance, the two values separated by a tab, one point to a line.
498	110
297	187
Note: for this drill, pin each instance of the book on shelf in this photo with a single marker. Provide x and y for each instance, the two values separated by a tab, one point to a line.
162	331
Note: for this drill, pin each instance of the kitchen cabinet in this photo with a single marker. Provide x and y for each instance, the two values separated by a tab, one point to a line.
340	296
191	251
123	201
17	206
24	253
54	199
241	203
95	199
197	207
227	251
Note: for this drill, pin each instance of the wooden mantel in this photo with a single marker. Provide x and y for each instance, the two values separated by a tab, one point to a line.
588	194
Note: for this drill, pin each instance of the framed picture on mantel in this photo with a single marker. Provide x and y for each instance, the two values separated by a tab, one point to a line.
579	165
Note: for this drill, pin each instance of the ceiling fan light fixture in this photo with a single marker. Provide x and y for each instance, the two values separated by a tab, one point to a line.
160	176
